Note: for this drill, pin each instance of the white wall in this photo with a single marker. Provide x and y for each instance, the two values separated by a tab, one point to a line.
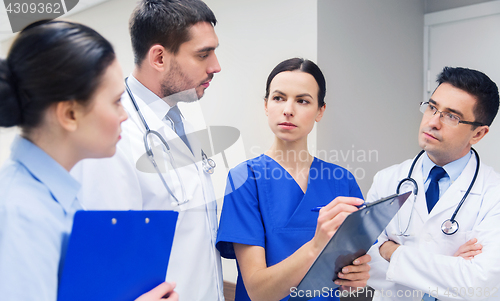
372	55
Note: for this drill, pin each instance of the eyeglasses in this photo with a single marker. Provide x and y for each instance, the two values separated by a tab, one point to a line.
445	117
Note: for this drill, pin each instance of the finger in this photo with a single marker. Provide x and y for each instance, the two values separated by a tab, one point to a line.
471	241
465	249
470	248
355	276
343	199
470	254
340	207
349	283
328	214
172	297
161	290
468	244
362	260
330	226
355	269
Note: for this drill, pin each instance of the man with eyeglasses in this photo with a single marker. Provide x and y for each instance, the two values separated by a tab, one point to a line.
417	257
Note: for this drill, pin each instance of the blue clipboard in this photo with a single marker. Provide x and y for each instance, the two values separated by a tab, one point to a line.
353	239
116	255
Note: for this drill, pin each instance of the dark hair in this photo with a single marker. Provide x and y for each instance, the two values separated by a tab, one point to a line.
478	85
165	22
49	62
303	65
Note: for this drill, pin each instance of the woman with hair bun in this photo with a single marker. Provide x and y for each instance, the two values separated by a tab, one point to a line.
61	83
268	222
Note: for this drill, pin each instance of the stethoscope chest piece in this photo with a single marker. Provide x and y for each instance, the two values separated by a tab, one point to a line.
450	227
208	163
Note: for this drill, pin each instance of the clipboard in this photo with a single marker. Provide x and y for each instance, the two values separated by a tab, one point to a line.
116	255
353	239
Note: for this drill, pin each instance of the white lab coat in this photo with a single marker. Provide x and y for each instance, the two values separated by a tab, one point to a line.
121	183
425	260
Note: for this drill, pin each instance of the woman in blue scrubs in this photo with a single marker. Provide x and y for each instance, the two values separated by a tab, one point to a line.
62	84
267	221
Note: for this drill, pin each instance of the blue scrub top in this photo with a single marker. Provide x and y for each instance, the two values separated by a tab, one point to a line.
264	206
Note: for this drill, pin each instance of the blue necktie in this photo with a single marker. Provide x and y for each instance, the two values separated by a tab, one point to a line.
175	115
432	193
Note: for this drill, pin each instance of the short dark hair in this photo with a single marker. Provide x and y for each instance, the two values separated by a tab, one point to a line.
303	65
49	62
477	84
165	22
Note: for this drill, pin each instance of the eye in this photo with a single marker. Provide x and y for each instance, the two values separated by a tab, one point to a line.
277	98
451	116
432	108
303	101
203	55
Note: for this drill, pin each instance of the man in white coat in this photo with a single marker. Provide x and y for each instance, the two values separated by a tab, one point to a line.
173	43
414	259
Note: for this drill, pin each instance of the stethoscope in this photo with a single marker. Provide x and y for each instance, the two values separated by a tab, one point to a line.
449	226
208	164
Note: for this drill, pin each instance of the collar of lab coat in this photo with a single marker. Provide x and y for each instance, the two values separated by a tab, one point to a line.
454	194
143	96
420	206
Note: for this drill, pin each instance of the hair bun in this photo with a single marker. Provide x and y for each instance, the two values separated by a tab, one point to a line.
10	110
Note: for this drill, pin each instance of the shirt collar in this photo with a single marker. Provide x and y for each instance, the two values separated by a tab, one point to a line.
45	169
453	169
153	101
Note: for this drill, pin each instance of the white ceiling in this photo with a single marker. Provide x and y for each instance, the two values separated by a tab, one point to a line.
6	30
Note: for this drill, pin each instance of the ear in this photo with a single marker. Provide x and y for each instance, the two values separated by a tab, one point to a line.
265	106
159	58
320	113
66	114
479	133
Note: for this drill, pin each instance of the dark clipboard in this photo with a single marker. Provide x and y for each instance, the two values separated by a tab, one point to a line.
116	255
353	239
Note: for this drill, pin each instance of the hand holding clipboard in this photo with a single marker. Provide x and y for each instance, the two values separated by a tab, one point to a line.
351	240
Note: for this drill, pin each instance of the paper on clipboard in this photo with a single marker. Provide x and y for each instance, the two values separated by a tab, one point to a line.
116	255
353	239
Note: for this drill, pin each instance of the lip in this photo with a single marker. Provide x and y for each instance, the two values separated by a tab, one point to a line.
430	136
287	125
205	84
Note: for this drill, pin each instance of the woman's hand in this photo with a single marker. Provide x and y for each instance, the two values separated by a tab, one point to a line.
164	291
331	217
355	276
469	249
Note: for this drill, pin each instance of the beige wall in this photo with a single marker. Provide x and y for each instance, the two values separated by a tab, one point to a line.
372	54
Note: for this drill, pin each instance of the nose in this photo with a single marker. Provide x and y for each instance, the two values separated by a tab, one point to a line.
213	66
288	109
123	114
435	121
